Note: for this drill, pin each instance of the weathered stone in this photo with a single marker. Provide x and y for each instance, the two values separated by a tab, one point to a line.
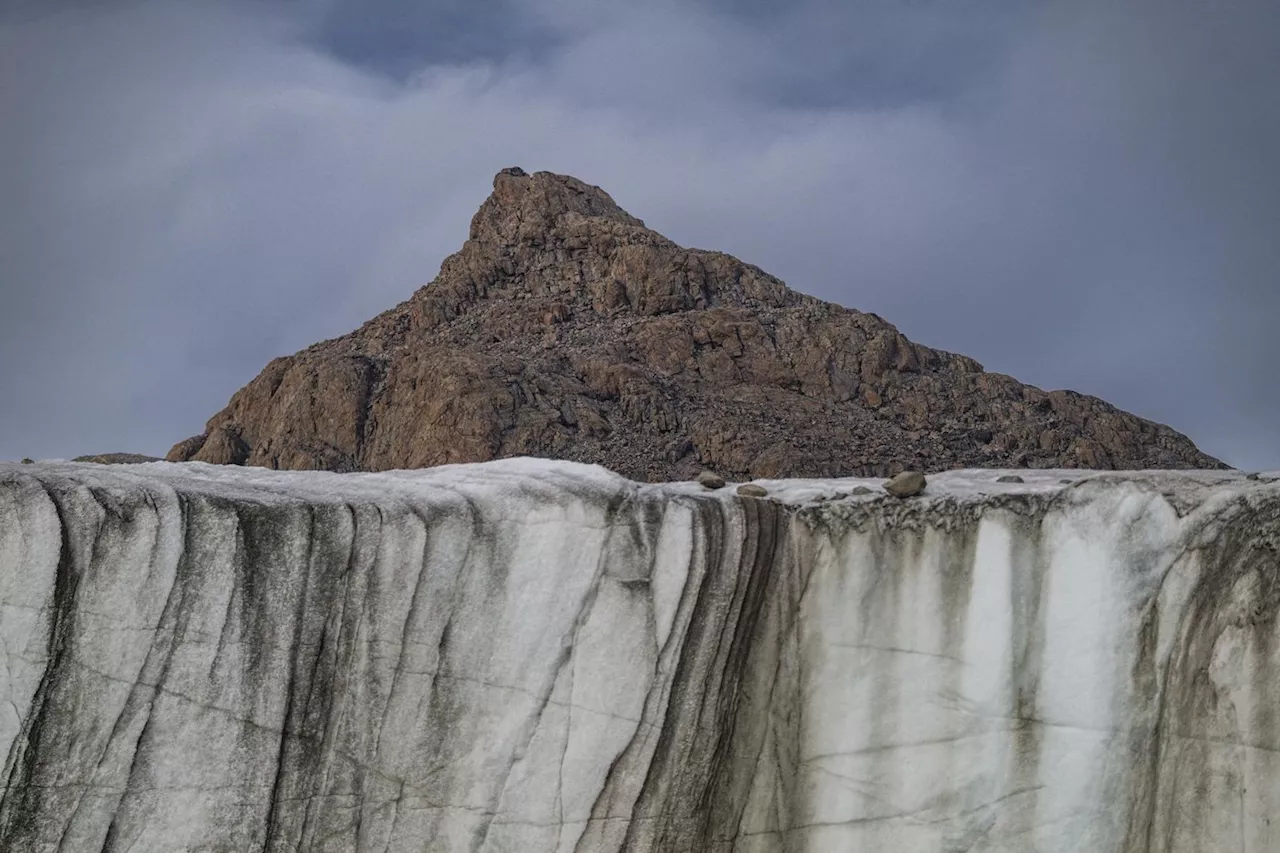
905	485
223	447
861	490
752	490
117	458
1009	478
711	480
186	449
564	328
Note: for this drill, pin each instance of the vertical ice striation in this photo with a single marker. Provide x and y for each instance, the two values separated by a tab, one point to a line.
527	656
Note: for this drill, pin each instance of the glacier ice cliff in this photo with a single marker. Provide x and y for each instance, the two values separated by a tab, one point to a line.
528	656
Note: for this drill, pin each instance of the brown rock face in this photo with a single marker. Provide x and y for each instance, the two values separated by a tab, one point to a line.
566	329
116	458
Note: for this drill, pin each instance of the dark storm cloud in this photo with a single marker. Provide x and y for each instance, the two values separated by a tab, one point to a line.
878	53
398	37
1078	194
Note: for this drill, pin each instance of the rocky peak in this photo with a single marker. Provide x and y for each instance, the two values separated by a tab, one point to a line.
524	207
565	328
571	248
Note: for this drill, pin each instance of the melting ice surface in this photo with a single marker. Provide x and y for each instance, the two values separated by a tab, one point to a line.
533	656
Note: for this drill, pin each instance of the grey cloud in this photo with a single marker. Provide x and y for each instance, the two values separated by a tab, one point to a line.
1077	197
879	53
399	37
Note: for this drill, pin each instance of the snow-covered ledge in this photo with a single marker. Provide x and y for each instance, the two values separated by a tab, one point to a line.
532	656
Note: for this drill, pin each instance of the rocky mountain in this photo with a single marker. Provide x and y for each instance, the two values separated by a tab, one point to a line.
564	328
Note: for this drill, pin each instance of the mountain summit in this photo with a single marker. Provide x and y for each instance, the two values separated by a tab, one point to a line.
565	328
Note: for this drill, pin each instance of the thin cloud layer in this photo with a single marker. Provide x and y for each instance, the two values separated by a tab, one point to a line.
1077	197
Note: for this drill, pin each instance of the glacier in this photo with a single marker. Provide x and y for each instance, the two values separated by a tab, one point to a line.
534	656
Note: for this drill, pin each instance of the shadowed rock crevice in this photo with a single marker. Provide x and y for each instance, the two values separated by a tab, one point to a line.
566	329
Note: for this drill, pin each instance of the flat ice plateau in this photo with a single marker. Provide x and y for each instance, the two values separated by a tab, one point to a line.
531	656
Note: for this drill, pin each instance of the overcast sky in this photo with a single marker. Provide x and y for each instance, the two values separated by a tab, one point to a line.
1084	194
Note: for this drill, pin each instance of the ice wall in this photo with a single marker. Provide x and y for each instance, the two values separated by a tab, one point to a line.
526	656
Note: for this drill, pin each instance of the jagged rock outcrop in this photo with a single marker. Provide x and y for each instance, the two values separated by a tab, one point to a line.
566	329
538	657
117	458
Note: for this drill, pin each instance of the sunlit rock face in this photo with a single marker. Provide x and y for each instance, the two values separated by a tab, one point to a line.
527	656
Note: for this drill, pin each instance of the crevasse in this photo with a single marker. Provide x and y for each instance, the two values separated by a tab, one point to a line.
531	656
